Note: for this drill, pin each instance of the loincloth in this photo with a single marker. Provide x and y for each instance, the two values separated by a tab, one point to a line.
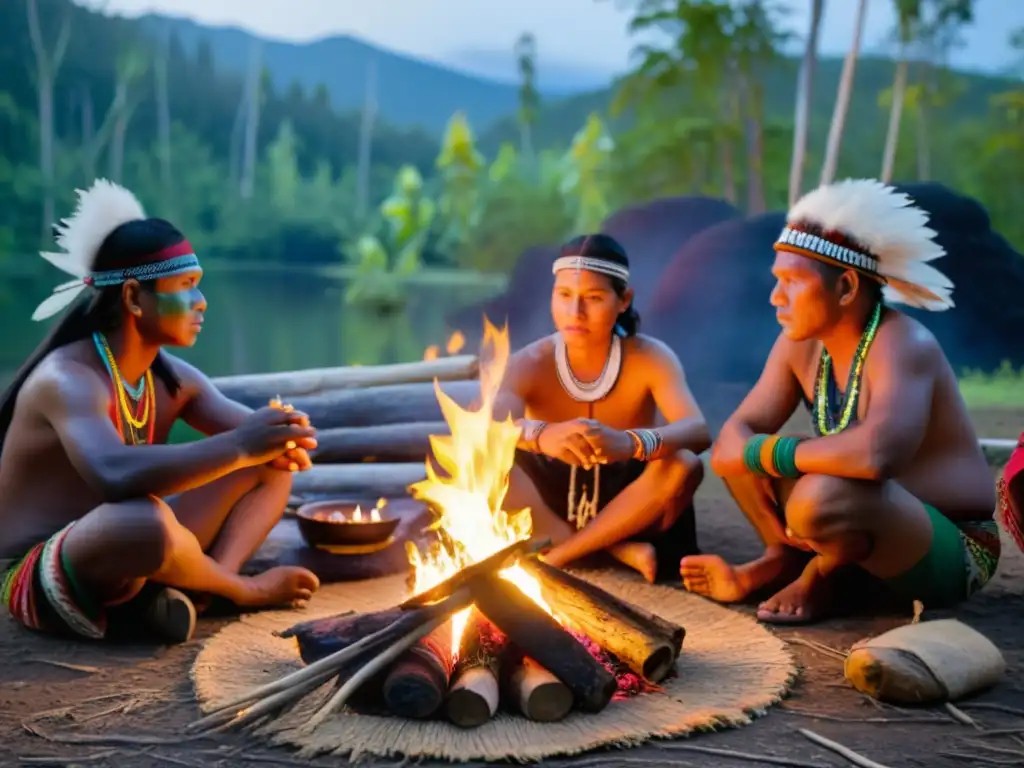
552	477
962	559
41	593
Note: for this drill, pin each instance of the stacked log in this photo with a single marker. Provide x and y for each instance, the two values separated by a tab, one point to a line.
374	423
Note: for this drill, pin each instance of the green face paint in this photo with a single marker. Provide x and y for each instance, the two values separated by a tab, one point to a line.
178	302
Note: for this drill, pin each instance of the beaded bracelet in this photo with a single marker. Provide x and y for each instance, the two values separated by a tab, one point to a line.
772	456
531	434
646	443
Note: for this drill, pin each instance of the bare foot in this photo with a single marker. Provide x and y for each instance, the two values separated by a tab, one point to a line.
639	556
282	586
802	602
712	577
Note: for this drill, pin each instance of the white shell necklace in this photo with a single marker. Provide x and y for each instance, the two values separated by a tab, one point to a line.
588	391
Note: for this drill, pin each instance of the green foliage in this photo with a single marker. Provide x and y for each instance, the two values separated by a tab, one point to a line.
1004	388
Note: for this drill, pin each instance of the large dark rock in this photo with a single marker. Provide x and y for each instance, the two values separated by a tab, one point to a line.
712	304
651	233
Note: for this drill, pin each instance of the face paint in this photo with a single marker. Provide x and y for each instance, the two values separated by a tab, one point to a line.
178	302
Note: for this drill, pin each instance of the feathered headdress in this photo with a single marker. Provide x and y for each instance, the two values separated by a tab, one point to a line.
101	209
869	226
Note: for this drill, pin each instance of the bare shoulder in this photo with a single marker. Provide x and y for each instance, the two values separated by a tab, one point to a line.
654	353
906	344
530	359
63	381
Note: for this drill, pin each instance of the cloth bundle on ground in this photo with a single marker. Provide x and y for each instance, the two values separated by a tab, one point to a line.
926	663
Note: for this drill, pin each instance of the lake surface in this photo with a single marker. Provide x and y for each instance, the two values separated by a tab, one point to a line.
268	318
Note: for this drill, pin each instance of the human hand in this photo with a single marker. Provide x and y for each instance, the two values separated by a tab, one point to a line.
583	442
295	460
607	444
271	432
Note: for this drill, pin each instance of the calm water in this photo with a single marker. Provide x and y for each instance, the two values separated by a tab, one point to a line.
271	319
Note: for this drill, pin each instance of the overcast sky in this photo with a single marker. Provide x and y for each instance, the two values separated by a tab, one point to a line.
583	35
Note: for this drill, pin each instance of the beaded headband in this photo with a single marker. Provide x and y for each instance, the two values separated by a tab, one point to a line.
609	268
807	244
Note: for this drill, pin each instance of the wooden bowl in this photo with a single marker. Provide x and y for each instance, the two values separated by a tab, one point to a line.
319	531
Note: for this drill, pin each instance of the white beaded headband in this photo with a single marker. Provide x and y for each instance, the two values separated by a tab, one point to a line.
609	268
795	239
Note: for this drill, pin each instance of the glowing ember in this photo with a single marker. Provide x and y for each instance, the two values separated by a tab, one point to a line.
455	343
337	516
470	521
432	352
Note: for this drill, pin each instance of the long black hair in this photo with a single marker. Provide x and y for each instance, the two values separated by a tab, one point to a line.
607	248
100	309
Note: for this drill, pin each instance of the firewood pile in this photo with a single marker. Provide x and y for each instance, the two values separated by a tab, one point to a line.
511	652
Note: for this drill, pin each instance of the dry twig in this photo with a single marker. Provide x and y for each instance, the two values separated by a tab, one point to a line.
930	720
122	739
67	761
839	749
734	755
65	665
961	717
975	759
992	707
821	648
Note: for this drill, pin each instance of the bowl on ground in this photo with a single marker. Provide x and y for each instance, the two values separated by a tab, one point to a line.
320	526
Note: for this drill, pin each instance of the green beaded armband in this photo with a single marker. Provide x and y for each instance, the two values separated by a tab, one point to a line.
752	454
784	457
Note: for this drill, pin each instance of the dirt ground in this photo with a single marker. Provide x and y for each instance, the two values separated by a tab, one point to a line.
146	691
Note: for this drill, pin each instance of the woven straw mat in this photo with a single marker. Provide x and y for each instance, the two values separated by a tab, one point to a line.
731	669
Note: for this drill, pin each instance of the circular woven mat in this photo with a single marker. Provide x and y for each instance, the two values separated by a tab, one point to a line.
731	669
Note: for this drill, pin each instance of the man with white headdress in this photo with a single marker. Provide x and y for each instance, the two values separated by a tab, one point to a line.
894	483
103	526
609	459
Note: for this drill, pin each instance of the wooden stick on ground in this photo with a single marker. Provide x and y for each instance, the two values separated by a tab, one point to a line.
539	636
640	644
839	749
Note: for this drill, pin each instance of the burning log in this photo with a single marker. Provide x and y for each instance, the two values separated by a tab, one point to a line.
474	694
648	645
537	694
416	685
319	638
541	638
260	387
383	443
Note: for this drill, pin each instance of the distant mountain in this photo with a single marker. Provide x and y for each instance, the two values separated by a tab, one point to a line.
410	91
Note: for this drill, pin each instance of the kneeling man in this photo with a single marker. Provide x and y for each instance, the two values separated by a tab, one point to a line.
894	481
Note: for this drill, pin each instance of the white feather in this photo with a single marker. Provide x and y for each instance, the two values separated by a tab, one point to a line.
101	209
895	231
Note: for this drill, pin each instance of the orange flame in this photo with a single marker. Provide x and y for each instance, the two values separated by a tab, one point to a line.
467	501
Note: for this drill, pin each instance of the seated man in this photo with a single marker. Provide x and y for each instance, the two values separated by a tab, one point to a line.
93	504
895	481
592	465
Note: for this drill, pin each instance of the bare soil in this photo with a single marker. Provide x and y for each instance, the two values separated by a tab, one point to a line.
89	690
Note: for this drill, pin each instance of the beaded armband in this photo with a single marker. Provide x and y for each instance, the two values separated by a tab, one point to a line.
772	456
646	443
531	434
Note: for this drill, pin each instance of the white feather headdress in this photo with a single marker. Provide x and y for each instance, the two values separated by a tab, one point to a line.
101	209
873	228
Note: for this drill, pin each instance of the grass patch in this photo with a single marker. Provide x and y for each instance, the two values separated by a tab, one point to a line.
1004	388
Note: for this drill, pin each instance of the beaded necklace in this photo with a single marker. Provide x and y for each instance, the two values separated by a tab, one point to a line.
588	391
133	424
825	413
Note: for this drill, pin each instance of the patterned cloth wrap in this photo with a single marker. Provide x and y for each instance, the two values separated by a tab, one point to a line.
1011	503
981	552
41	593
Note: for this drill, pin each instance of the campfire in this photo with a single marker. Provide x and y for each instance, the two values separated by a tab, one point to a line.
486	621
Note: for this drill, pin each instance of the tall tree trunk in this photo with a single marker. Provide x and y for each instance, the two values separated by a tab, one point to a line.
366	140
47	66
802	117
88	132
845	92
235	142
728	171
892	138
120	130
252	120
754	125
163	113
924	153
